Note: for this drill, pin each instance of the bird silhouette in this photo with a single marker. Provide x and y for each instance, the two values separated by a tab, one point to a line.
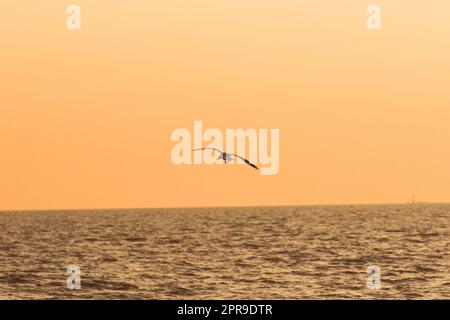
228	156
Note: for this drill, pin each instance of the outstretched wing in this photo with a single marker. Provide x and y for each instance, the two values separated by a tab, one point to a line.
246	161
207	148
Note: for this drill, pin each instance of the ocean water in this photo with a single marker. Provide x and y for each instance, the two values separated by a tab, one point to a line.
314	252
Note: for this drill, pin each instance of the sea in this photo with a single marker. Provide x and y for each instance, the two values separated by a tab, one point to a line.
297	252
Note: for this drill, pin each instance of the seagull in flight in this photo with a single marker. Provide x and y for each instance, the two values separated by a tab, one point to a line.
228	156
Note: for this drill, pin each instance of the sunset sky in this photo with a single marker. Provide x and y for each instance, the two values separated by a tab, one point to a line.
86	116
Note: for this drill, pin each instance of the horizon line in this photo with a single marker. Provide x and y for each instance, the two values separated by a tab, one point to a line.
226	206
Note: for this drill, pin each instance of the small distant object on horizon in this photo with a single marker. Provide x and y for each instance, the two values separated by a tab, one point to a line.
414	201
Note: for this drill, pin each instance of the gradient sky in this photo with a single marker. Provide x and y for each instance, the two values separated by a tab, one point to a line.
86	116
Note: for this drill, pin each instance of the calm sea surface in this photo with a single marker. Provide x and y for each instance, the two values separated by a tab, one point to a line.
317	252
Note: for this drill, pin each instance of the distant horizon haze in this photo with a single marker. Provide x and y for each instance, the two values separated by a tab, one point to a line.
231	206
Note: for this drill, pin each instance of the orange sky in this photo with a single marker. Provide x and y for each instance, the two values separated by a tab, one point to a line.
86	116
